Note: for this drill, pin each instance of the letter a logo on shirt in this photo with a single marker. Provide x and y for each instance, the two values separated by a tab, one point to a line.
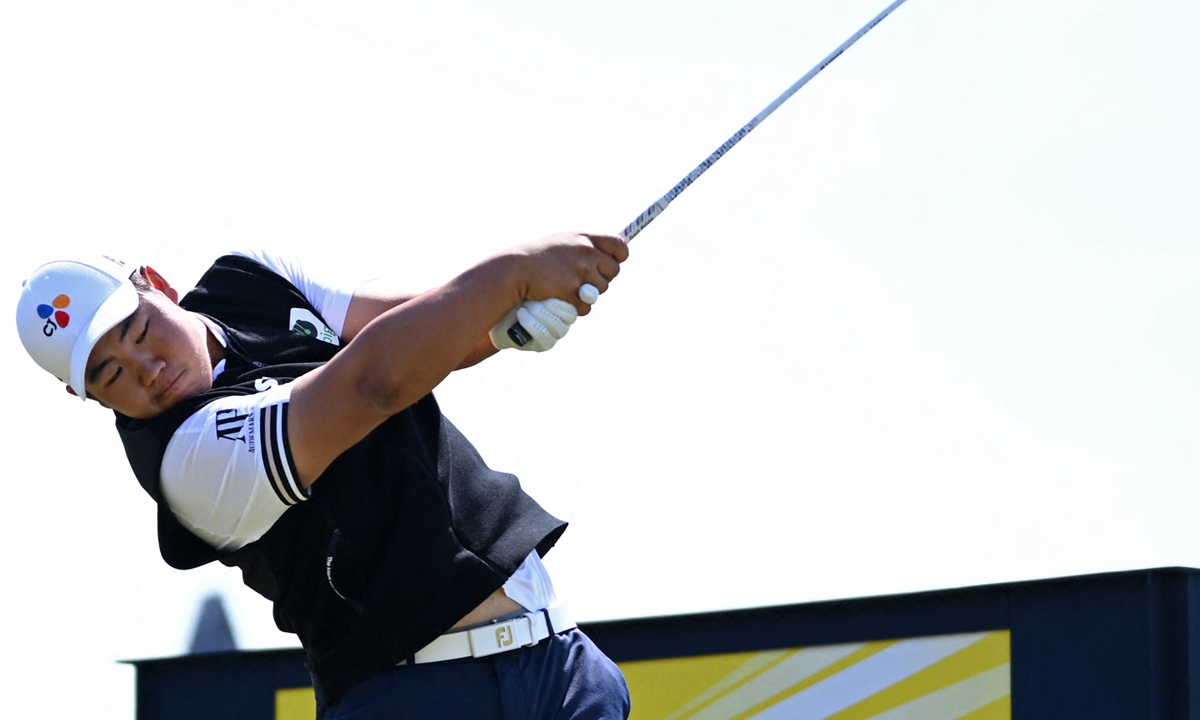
231	425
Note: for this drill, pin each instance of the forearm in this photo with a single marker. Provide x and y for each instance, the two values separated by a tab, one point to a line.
406	351
484	349
372	300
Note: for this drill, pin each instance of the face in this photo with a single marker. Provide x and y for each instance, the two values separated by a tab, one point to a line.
148	363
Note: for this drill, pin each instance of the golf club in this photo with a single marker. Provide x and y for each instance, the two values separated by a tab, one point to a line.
518	333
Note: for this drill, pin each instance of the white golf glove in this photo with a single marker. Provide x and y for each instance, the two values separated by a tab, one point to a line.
546	321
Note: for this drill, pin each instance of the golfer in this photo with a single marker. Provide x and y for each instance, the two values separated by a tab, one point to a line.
286	426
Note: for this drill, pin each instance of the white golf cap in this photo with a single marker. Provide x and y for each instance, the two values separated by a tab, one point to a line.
66	306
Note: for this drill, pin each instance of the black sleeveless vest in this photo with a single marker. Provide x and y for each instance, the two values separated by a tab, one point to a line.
404	534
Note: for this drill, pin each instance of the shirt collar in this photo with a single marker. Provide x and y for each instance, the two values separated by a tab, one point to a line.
219	333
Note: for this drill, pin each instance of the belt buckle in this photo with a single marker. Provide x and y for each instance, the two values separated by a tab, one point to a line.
501	637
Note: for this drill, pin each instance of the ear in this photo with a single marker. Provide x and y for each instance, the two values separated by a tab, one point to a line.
159	283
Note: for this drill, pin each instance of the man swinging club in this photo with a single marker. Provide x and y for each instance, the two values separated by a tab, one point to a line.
287	427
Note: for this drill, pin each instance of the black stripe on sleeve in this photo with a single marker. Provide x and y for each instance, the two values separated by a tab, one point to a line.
277	456
295	488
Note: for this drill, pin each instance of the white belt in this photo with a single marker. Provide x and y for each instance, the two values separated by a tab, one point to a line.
497	636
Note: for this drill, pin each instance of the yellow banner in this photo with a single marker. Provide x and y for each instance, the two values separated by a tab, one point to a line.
931	678
945	677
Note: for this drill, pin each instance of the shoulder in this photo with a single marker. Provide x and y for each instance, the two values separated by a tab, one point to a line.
227	472
250	282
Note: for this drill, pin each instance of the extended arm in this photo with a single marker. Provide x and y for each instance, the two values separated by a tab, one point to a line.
400	353
372	299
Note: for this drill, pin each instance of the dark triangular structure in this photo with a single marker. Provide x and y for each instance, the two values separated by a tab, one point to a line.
213	633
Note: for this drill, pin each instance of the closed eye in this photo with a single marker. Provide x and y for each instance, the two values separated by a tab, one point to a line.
116	375
142	337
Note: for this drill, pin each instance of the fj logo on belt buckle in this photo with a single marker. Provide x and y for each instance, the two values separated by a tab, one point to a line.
499	637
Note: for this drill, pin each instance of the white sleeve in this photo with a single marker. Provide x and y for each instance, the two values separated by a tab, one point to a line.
331	297
228	473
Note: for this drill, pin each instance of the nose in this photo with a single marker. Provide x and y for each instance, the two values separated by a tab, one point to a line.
149	367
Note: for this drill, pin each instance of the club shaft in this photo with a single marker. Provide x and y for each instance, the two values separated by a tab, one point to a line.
520	336
661	204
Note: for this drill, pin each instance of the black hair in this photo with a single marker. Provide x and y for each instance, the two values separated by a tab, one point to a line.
140	282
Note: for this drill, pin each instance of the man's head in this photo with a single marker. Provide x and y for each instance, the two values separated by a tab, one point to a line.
114	333
66	306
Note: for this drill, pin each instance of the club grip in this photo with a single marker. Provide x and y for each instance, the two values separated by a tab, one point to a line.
587	293
519	335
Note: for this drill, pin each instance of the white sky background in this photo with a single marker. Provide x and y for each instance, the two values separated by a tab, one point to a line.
935	323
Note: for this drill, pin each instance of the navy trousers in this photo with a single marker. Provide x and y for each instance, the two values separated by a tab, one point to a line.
564	677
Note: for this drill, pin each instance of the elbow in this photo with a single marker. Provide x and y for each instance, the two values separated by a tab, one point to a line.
383	397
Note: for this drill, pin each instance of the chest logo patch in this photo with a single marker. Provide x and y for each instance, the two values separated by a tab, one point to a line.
305	322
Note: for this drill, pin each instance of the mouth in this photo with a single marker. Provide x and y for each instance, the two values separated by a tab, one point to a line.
167	396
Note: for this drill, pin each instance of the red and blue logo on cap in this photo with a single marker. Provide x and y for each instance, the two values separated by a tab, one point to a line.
54	314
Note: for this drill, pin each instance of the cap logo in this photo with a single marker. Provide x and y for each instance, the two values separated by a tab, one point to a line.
54	314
